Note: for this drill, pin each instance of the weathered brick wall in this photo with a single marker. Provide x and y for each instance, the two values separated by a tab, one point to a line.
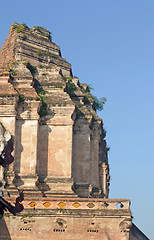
59	147
70	219
7	56
74	228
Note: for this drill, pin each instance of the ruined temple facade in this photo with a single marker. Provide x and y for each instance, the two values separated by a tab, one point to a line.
57	153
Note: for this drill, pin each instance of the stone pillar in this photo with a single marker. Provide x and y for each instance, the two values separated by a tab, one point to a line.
104	174
56	151
95	139
82	168
26	144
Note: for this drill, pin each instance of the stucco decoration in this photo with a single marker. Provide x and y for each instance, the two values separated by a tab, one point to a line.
5	137
125	225
6	147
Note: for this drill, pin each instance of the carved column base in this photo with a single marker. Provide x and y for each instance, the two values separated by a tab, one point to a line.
82	190
11	188
27	184
25	181
52	186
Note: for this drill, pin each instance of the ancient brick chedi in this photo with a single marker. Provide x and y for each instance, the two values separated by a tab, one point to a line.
52	147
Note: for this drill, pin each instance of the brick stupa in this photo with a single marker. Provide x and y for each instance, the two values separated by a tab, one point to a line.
59	157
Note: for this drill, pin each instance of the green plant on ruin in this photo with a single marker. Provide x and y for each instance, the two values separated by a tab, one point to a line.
44	66
6	215
37	28
48	67
99	103
70	87
86	100
46	52
25	215
24	37
11	71
19	28
44	107
21	98
31	68
42	36
37	98
70	78
39	52
41	92
61	210
60	223
44	74
14	64
58	86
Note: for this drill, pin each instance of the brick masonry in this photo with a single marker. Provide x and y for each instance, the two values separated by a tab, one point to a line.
59	154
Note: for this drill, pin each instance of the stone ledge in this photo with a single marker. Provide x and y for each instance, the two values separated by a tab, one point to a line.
102	206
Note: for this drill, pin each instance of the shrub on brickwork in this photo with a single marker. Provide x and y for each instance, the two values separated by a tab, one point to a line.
98	103
19	28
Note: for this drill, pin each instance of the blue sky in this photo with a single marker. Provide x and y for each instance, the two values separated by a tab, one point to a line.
110	45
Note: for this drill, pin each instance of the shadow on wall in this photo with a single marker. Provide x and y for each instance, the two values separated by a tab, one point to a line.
42	150
42	157
6	147
8	158
5	205
4	233
18	146
18	204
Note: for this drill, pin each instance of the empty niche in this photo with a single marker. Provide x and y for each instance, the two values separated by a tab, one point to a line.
93	227
26	225
59	226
